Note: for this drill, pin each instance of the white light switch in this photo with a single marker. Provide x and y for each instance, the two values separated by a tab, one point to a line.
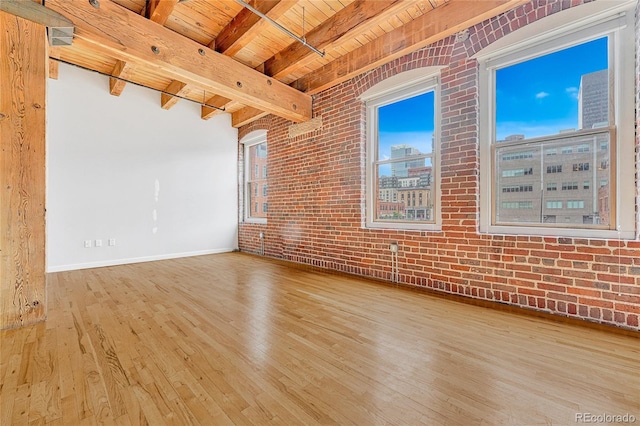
98	243
87	243
112	242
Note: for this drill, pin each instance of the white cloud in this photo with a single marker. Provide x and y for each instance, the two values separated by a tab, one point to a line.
572	92
541	95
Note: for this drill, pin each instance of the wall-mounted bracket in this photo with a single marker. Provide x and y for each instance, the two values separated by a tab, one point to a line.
60	28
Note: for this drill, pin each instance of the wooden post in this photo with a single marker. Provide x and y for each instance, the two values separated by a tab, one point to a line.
23	63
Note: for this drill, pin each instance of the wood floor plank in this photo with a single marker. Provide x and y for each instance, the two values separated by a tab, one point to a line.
236	339
9	380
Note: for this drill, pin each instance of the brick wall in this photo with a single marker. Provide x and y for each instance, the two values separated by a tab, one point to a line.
317	201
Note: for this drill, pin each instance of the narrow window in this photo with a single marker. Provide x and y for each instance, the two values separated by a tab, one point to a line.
255	164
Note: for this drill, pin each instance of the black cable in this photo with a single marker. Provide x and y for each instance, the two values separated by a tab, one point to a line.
138	84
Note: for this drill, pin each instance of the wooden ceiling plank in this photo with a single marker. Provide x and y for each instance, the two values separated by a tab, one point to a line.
177	88
122	70
246	115
246	25
441	22
129	37
344	24
160	10
215	101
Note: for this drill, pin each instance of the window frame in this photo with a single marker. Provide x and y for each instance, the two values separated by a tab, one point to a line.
254	138
395	89
576	25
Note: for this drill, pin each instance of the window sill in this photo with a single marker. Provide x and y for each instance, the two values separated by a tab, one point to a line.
559	232
255	221
405	226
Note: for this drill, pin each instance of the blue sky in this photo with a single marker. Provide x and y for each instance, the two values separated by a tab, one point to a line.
540	97
410	121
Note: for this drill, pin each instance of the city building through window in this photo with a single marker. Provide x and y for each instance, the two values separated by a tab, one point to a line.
403	175
557	121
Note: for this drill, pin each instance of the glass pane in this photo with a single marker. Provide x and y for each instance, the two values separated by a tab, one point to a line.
550	94
408	198
405	128
257	185
563	180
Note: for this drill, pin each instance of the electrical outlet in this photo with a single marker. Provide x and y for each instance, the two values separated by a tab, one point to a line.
98	243
87	243
112	242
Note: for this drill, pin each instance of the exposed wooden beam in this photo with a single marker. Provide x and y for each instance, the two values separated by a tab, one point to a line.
23	88
54	66
246	115
216	101
246	25
129	37
122	70
443	21
175	87
160	10
344	24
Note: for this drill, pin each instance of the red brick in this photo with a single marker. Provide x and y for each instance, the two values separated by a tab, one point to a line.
624	307
584	292
552	287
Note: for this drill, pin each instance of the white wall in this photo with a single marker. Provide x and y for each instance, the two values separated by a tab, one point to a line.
161	183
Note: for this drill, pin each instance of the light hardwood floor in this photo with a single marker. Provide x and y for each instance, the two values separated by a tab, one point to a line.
239	339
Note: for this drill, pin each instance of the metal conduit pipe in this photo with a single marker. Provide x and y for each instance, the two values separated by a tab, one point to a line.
280	27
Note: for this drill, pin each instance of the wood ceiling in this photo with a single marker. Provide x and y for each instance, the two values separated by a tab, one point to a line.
220	52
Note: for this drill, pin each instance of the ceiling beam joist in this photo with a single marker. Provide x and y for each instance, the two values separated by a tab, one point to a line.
121	71
160	10
343	24
217	102
245	116
176	88
131	38
441	22
246	24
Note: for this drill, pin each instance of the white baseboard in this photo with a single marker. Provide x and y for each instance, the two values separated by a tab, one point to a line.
115	262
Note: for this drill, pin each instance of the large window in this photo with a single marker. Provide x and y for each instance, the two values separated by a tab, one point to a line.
255	166
562	98
402	153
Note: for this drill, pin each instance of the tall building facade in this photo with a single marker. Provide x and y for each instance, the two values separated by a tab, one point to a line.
401	169
593	100
563	180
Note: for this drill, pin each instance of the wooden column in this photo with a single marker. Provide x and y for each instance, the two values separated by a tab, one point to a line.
23	62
